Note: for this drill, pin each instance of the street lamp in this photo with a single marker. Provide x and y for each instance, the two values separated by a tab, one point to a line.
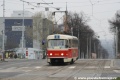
23	27
95	44
116	42
3	32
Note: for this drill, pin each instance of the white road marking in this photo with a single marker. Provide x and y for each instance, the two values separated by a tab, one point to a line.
38	67
52	67
117	71
107	67
91	67
97	67
72	67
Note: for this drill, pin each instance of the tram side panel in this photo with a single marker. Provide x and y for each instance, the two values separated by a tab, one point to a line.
63	55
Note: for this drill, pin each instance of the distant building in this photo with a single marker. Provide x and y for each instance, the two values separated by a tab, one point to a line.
13	32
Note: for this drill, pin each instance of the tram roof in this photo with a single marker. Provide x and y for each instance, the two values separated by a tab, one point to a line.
62	36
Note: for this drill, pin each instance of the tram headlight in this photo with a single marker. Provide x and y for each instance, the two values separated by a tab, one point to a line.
50	54
62	54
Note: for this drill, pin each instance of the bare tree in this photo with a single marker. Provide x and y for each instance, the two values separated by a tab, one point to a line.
41	27
79	23
115	22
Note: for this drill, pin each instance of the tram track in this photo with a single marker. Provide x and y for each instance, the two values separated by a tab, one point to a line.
72	74
99	69
64	68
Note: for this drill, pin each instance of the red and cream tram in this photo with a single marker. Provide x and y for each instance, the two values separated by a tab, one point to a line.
62	48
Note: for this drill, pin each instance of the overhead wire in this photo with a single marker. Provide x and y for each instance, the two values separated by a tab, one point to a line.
99	21
93	4
49	5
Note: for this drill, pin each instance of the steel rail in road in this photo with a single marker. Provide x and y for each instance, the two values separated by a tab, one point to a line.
72	74
66	67
100	68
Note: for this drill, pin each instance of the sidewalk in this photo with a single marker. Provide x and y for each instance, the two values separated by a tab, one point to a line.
11	59
2	60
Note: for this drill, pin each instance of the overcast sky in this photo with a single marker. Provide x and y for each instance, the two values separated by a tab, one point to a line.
99	15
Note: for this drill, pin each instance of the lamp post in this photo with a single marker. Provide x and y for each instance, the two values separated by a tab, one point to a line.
23	27
3	45
116	42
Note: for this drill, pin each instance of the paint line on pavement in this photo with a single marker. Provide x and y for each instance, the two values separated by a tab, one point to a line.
117	71
72	67
38	67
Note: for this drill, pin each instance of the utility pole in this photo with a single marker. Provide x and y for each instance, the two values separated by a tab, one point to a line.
3	45
114	45
78	42
87	47
23	29
66	26
90	48
71	31
116	41
94	48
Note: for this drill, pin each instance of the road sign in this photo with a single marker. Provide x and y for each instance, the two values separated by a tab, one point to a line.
17	28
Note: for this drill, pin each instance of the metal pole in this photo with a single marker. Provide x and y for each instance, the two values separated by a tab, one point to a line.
23	30
79	42
94	48
87	45
71	31
114	46
116	41
3	45
90	48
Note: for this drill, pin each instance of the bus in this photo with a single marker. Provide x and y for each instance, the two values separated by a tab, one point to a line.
62	49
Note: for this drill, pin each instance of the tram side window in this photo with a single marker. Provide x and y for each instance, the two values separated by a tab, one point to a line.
66	44
70	43
74	43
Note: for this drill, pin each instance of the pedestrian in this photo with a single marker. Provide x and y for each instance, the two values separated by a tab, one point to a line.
15	56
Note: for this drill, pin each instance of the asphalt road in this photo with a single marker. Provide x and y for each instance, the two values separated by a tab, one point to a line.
24	69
